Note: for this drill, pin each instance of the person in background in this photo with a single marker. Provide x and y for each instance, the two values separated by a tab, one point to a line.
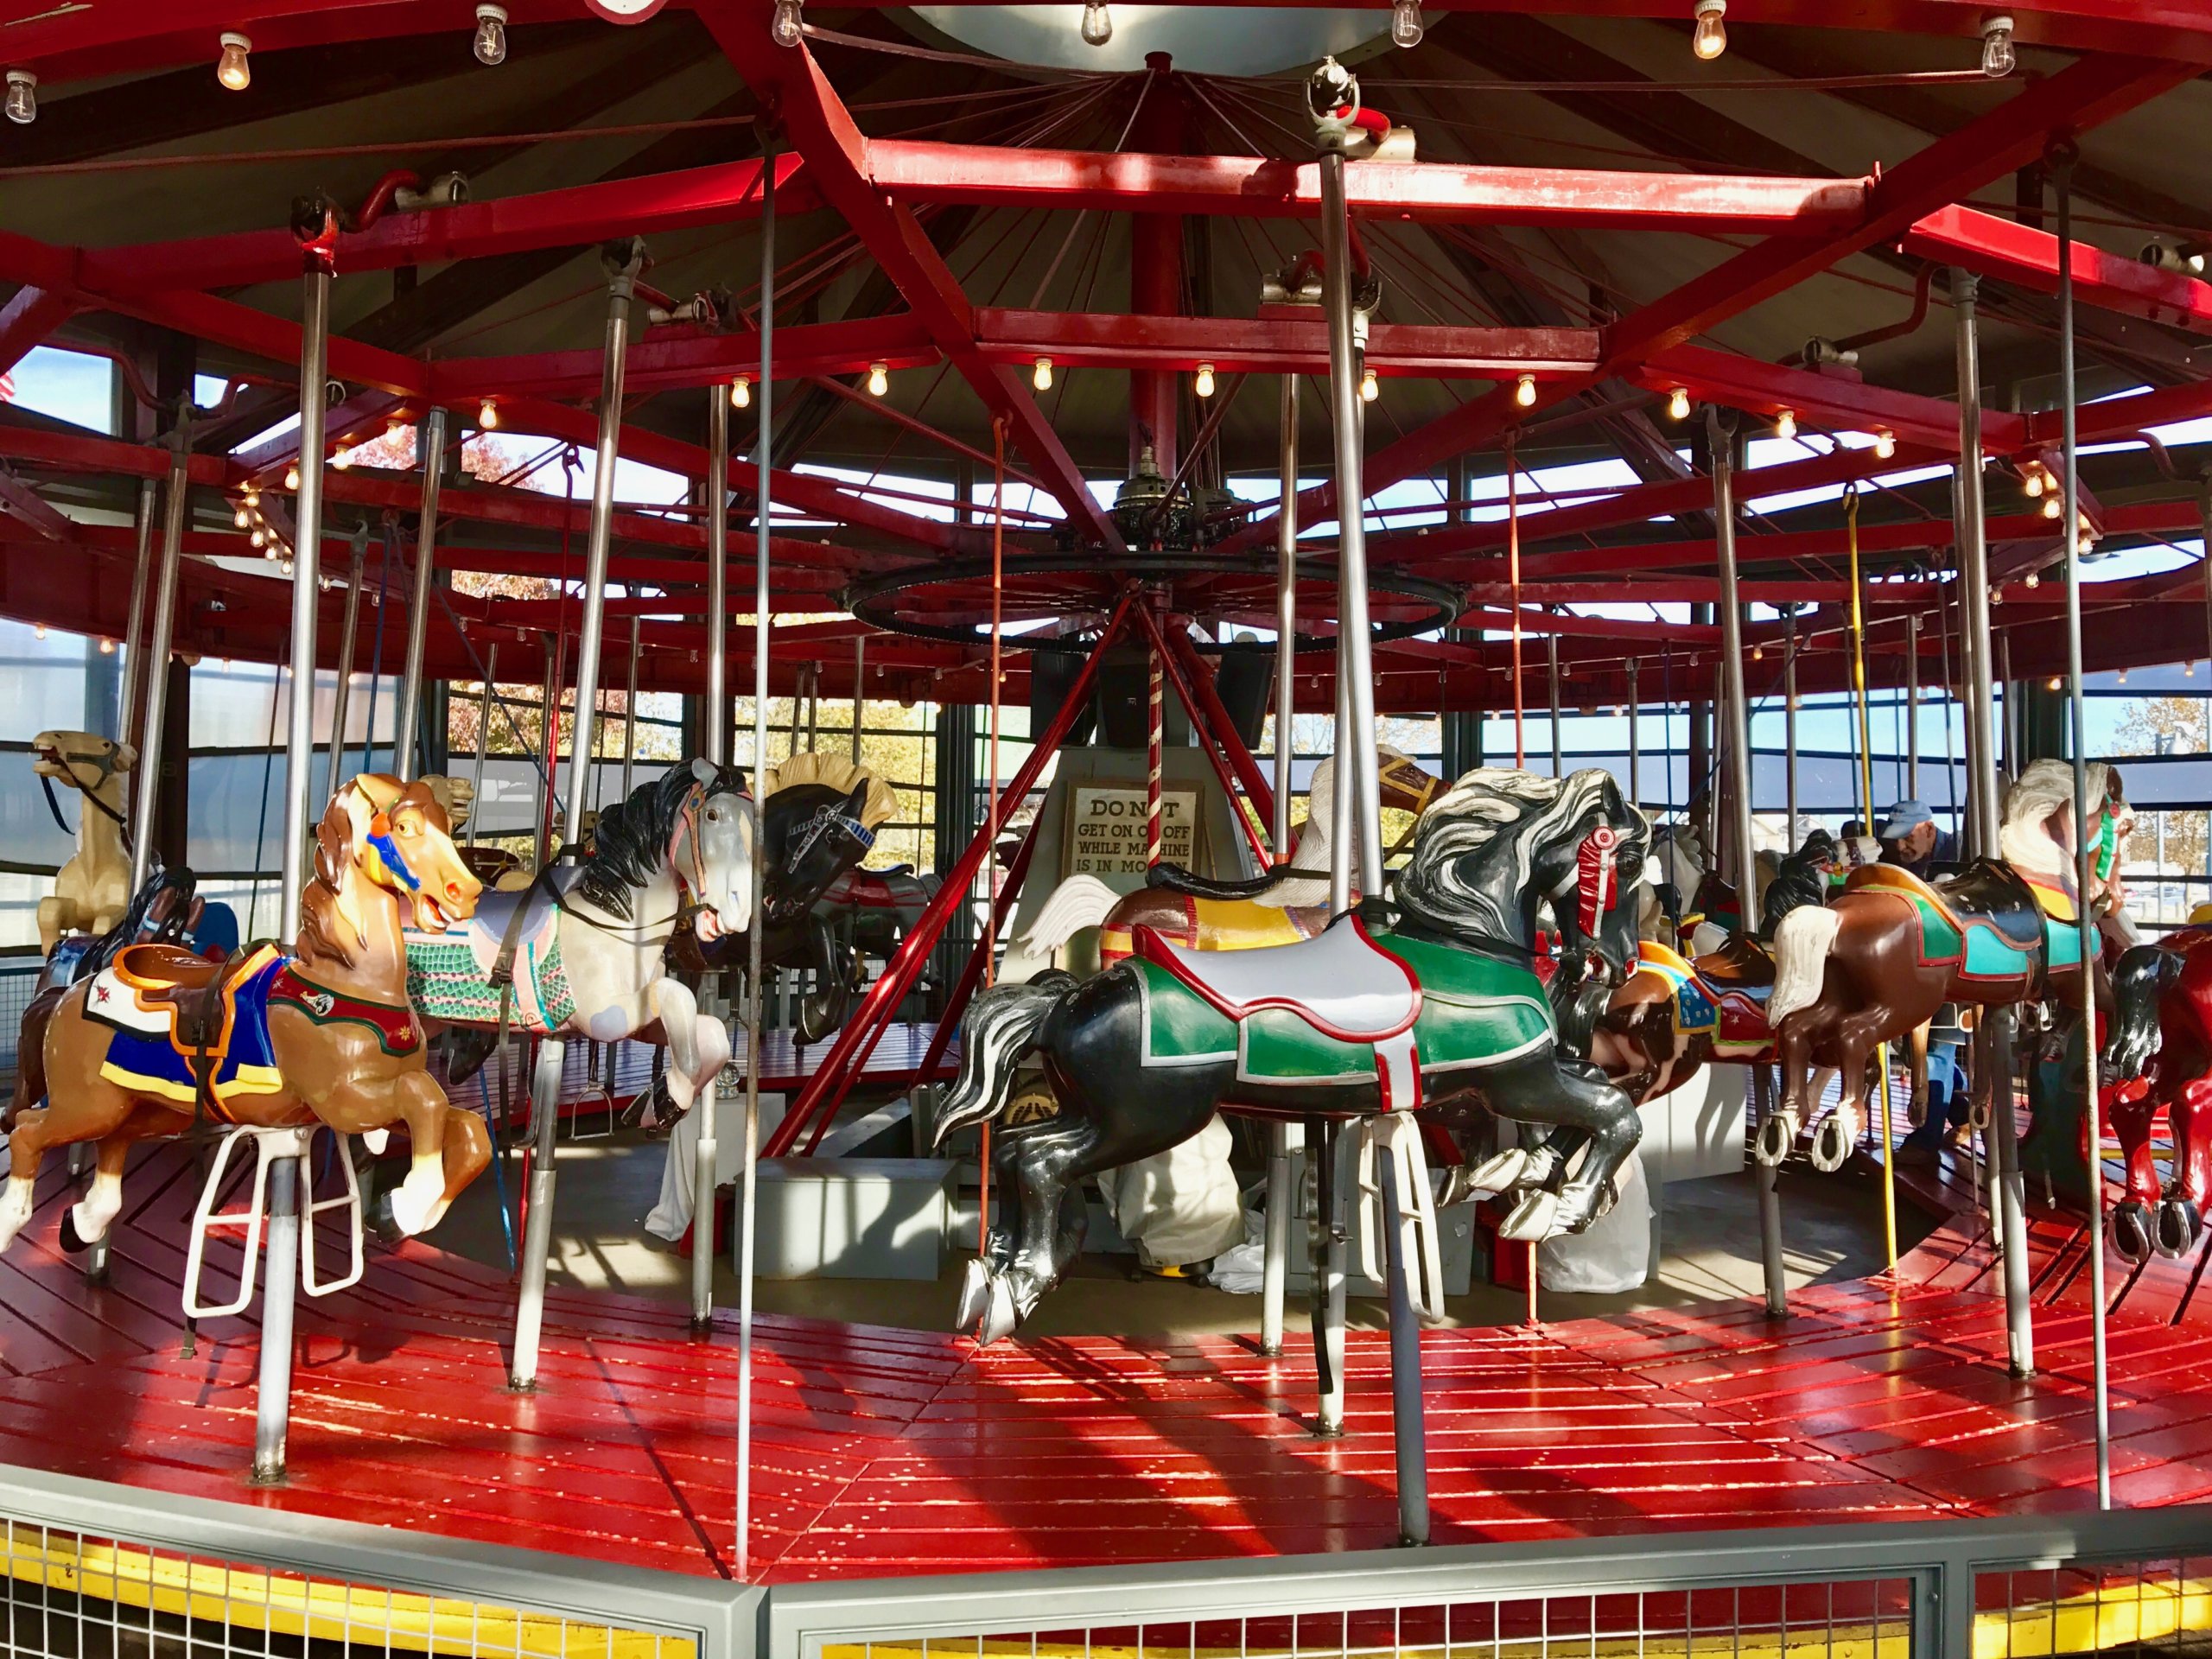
1911	839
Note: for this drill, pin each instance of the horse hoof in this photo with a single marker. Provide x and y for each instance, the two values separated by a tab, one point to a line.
72	1240
975	1297
1500	1172
999	1319
1532	1218
2130	1231
2178	1225
1776	1135
379	1219
376	1140
1831	1145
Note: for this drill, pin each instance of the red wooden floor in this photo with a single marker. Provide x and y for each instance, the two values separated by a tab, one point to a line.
884	1450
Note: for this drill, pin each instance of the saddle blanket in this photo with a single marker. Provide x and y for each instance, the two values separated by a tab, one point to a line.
1474	1011
1735	1019
1980	949
1224	924
450	973
145	1055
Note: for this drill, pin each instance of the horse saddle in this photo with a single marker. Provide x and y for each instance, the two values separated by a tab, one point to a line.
176	992
1739	965
1340	983
188	1029
1984	894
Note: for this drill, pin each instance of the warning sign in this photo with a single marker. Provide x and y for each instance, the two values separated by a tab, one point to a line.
1106	829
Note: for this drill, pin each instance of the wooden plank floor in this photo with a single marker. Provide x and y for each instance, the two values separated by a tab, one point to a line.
886	1451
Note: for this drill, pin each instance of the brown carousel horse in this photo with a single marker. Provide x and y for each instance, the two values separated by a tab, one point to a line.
1287	904
1879	959
160	1041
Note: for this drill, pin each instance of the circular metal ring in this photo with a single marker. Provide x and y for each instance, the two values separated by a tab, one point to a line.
873	600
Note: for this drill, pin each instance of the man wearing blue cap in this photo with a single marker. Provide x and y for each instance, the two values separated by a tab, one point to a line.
1910	837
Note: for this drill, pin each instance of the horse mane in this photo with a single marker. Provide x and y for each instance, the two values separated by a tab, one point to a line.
1492	810
322	932
630	842
834	772
2043	787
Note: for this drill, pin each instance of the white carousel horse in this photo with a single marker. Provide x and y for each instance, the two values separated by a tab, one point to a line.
92	889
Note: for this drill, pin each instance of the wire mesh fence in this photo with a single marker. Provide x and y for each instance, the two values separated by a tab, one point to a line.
18	979
2152	1605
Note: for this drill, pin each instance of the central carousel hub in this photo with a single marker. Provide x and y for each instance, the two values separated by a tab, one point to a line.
1154	514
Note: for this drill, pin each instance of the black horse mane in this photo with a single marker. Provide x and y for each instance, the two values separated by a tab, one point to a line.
1472	853
630	841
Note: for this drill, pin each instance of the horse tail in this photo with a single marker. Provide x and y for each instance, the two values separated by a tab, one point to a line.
1079	902
1802	942
1001	1024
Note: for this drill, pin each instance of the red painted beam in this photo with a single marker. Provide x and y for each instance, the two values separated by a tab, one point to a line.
27	319
1429	191
1276	345
2028	258
675	358
1836	401
821	130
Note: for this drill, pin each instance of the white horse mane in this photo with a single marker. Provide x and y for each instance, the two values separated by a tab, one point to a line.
1305	880
2043	788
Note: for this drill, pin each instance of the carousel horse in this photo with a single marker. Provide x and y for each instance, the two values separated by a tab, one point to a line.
875	910
161	1041
91	889
1676	1015
1443	1015
581	952
1281	906
1880	958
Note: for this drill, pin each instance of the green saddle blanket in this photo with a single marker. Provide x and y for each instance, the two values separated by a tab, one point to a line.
1474	1011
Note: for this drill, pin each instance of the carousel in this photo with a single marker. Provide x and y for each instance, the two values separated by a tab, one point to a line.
1157	420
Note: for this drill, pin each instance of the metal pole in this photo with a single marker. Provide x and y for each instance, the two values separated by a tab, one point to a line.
548	736
1772	1265
1912	706
134	636
859	691
2062	171
156	675
1356	642
1283	1140
1789	729
1342	876
1409	1412
1551	671
1737	736
1635	735
529	1306
630	712
430	454
483	738
704	1171
2008	1213
747	1233
306	591
1285	618
349	624
1328	1260
272	1401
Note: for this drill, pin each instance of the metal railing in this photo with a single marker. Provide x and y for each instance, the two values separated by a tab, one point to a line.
18	979
92	1570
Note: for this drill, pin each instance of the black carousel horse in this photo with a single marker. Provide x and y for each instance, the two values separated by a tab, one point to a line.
1442	1013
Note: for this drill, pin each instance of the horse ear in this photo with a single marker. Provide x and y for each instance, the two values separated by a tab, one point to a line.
857	800
126	756
703	769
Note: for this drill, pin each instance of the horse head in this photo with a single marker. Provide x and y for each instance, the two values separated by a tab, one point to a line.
83	760
2036	830
712	849
813	842
401	839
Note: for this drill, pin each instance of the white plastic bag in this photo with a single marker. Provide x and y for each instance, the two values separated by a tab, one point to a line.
1613	1254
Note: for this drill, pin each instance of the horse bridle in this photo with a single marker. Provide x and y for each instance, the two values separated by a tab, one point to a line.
104	769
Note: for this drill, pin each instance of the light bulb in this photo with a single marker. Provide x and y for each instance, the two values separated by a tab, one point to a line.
1785	424
1405	22
342	459
1041	376
2189	671
1525	393
40	631
788	25
490	35
1368	389
231	68
1097	23
2032	482
879	379
292	476
23	96
2195	262
2123	677
107	647
1886	444
741	393
2052	506
260	538
1204	385
284	567
1758	653
241	518
1678	404
1710	38
2051	683
1999	60
2033	579
253	495
487	415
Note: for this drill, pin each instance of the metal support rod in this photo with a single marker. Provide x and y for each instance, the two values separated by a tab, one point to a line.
1551	676
1912	706
1286	621
1343	877
272	1412
747	1231
156	675
548	737
859	692
630	711
1789	731
341	695
1736	734
306	590
134	632
1355	641
483	738
530	1307
705	1169
1408	1414
1772	1264
1282	1139
1325	1156
1634	710
430	455
2063	179
2008	1213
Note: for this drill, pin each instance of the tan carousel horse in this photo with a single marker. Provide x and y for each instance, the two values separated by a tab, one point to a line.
1286	905
162	1040
90	891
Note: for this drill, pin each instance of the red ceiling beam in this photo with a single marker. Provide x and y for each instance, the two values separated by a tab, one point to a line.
821	130
26	321
2029	258
1433	192
672	357
1836	401
1276	345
